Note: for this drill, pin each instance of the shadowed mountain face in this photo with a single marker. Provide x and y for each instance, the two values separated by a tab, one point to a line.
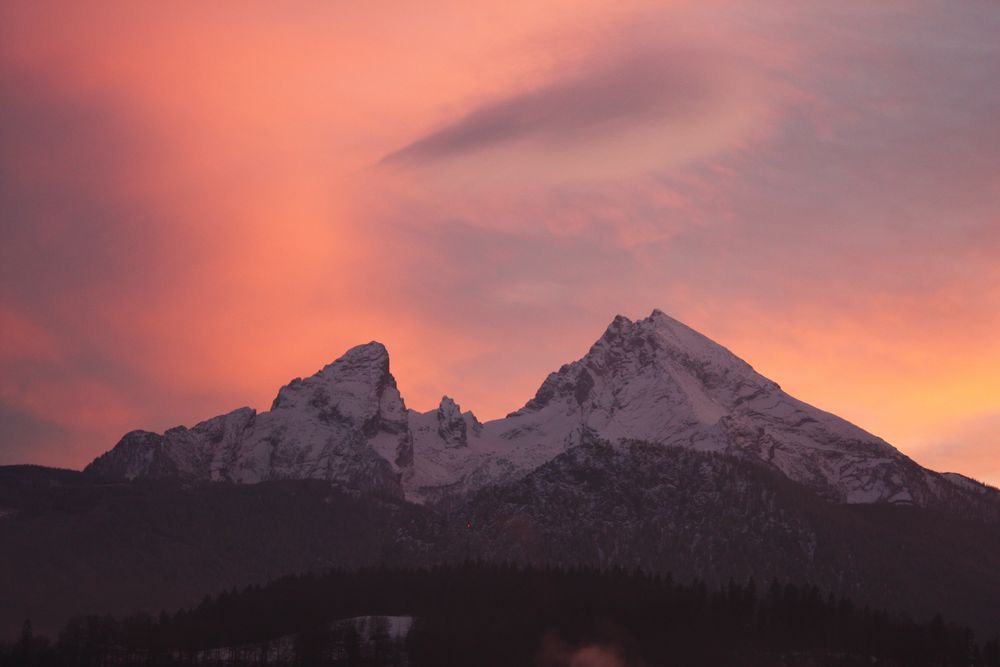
714	516
654	380
658	449
71	543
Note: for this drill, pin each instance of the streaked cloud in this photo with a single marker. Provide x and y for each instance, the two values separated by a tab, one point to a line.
650	94
644	89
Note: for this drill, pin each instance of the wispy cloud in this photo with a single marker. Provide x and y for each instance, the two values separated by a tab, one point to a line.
608	98
645	98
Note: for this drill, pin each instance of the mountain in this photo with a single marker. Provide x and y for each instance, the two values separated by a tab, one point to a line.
653	380
658	449
346	423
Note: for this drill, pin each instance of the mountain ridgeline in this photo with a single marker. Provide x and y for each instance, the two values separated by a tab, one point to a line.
654	380
658	450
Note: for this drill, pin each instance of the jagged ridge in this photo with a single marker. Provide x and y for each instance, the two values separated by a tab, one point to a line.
653	380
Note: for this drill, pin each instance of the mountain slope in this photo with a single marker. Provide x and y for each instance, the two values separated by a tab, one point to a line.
71	543
714	516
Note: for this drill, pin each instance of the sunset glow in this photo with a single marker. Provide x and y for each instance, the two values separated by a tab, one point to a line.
199	202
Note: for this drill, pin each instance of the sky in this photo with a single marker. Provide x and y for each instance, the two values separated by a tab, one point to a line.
201	201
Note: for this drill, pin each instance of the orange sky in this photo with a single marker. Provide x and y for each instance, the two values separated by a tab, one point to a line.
200	202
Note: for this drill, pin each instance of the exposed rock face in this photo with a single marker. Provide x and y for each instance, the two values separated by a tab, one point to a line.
653	380
451	424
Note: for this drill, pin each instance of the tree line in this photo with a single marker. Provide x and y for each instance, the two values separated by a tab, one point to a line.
485	615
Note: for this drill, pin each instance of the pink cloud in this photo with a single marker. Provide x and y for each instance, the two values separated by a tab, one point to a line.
192	216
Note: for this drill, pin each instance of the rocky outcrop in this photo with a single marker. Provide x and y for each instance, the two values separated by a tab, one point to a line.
451	424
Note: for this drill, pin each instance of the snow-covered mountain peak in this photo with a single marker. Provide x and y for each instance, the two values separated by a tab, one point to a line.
357	388
653	358
347	422
680	336
660	338
657	380
364	363
654	380
372	352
